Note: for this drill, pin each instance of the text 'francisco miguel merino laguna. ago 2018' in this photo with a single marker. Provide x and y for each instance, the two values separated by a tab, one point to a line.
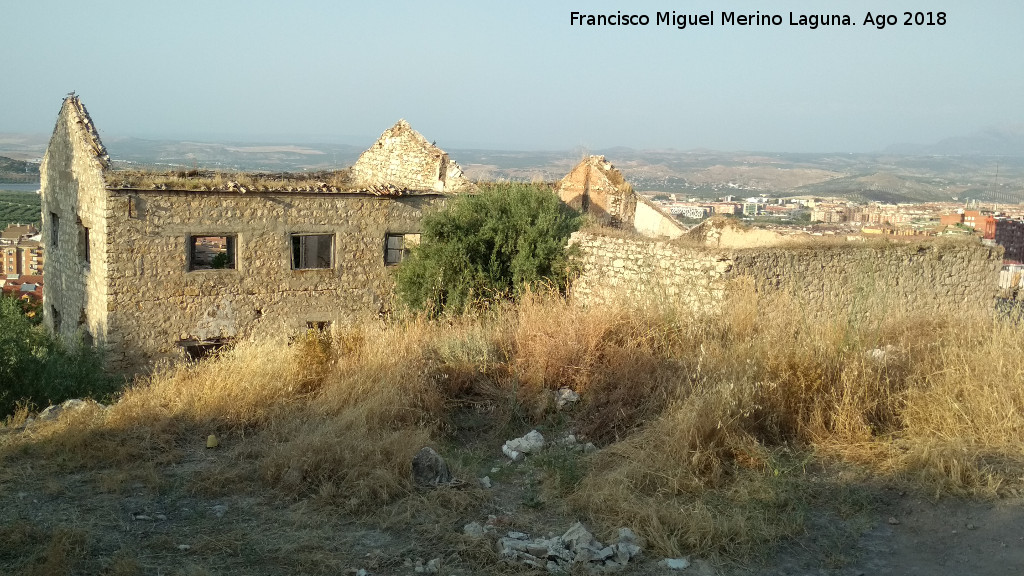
812	21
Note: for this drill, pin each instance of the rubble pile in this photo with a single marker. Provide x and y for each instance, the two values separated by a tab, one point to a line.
577	546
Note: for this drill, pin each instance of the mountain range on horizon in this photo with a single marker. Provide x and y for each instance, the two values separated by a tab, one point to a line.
1005	140
987	165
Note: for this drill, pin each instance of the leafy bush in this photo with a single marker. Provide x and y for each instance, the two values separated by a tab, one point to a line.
488	246
39	370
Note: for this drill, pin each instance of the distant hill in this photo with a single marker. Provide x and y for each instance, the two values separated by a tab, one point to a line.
18	170
988	166
994	141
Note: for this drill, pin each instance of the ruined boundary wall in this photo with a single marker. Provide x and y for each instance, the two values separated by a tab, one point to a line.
919	277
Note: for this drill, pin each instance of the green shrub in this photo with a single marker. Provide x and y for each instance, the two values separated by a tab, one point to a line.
39	370
488	246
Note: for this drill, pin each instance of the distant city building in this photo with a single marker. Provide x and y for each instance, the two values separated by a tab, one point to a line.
726	207
951	219
1010	235
693	212
20	250
984	223
828	213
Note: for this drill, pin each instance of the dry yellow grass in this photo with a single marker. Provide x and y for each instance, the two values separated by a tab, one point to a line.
710	424
212	180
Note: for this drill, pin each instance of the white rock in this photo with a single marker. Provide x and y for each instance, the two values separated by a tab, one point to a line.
627	535
474	530
566	396
434	566
569	440
577	537
626	550
533	441
512	454
219	510
508	545
675	563
880	354
362	572
537	548
184	547
485	482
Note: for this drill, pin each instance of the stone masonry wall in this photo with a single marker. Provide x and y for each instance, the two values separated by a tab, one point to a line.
921	277
639	270
73	188
156	302
402	157
591	180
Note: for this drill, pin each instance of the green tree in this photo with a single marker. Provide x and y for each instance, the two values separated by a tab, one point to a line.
488	246
38	369
20	349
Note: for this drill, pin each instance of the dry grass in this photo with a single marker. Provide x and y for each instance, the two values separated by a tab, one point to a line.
714	427
204	180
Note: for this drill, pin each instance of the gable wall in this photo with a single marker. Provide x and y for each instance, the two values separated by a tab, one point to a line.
403	158
72	187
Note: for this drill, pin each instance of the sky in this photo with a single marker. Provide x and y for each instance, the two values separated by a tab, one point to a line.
514	75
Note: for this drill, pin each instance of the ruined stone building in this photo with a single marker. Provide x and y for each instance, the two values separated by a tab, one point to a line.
596	187
152	266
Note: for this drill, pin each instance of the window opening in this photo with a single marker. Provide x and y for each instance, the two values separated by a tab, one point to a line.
198	349
211	252
397	247
312	251
84	240
319	325
54	229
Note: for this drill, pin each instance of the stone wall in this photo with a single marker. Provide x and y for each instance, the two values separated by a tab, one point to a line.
157	303
650	220
596	187
824	279
72	188
637	269
402	157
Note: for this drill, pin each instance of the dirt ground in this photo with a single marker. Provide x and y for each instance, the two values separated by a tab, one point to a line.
911	535
205	512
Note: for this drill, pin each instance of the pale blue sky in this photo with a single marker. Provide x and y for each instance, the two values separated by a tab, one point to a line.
513	75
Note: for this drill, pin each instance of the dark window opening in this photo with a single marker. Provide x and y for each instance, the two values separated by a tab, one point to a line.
83	239
54	229
87	339
196	350
319	325
312	251
56	318
397	247
211	252
136	207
